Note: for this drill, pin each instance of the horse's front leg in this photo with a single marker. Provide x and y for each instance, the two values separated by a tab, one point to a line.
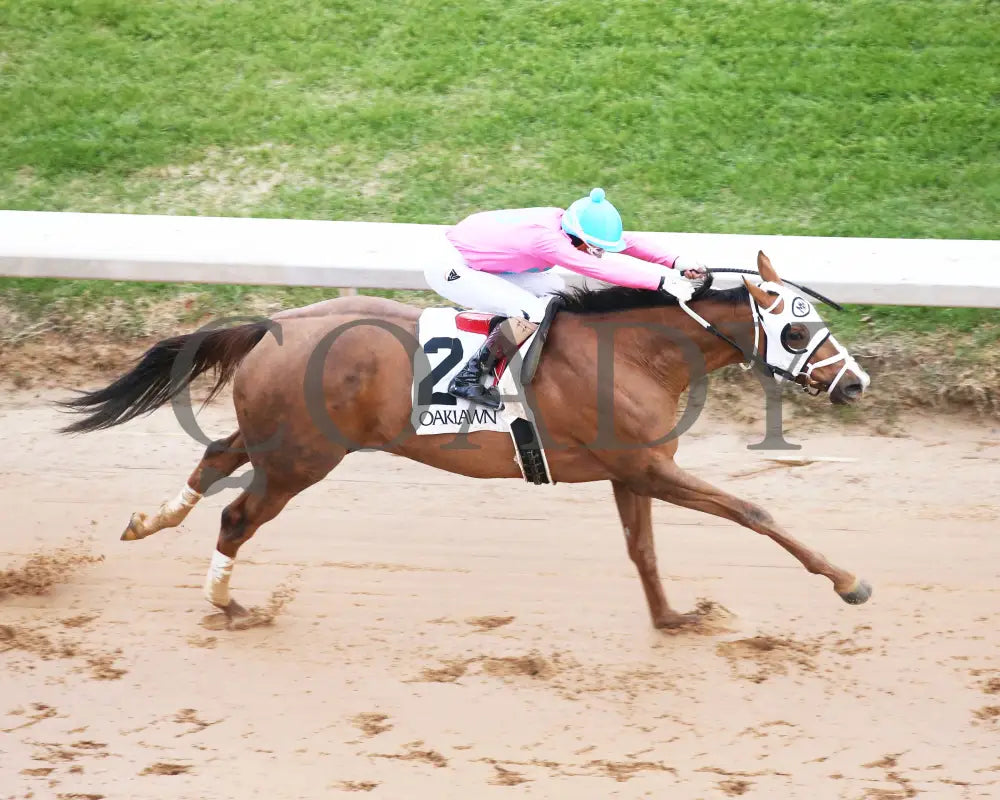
666	481
637	523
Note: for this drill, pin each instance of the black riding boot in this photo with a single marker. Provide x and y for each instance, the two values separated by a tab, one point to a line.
468	383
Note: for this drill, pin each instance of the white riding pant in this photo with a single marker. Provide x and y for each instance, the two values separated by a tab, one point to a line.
513	294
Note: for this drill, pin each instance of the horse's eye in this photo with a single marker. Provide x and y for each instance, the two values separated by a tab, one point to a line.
795	338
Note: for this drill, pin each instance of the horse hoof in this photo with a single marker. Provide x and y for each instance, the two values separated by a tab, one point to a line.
131	533
858	593
677	621
234	610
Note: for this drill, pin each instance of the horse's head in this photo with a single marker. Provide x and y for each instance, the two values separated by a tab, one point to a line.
798	344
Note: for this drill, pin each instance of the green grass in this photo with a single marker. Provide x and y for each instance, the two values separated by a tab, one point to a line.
30	307
858	321
827	118
839	118
36	296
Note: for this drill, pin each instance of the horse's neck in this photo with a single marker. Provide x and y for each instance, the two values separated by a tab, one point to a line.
734	321
671	329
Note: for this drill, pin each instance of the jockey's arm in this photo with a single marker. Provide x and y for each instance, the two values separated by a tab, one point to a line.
635	274
646	249
644	271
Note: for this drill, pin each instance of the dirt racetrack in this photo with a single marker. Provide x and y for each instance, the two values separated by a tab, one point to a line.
426	636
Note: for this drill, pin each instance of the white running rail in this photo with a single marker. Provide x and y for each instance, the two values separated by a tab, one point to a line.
285	252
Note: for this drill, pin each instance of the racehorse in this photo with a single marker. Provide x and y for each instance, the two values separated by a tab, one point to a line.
354	356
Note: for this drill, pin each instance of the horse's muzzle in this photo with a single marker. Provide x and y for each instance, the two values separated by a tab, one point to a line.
848	390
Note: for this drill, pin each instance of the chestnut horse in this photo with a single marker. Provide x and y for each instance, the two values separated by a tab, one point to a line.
347	355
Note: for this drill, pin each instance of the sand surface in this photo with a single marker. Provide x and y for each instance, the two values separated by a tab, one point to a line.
423	635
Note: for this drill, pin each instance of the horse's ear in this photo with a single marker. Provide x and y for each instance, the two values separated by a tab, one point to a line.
764	300
765	269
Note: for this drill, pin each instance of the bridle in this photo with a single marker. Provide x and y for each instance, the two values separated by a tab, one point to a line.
780	373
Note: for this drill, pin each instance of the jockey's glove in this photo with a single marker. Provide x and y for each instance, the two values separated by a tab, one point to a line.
689	268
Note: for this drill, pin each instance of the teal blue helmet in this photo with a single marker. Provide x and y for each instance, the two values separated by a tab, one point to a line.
596	221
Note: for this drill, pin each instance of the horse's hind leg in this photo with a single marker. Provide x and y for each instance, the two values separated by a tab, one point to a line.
221	459
278	477
637	522
240	520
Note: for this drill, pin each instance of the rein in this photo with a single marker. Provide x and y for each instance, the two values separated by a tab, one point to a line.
805	289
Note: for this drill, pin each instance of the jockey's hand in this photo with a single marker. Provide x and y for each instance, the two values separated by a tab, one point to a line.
690	269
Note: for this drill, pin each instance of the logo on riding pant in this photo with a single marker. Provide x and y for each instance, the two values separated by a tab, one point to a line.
453	276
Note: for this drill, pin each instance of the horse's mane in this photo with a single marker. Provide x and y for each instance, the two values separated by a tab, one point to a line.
580	300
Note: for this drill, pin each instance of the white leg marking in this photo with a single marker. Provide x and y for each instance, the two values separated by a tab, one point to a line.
169	515
173	511
220	570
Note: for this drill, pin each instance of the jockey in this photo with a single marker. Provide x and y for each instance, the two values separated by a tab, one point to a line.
502	263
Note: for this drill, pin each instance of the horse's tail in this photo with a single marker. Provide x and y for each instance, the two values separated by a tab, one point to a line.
159	376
